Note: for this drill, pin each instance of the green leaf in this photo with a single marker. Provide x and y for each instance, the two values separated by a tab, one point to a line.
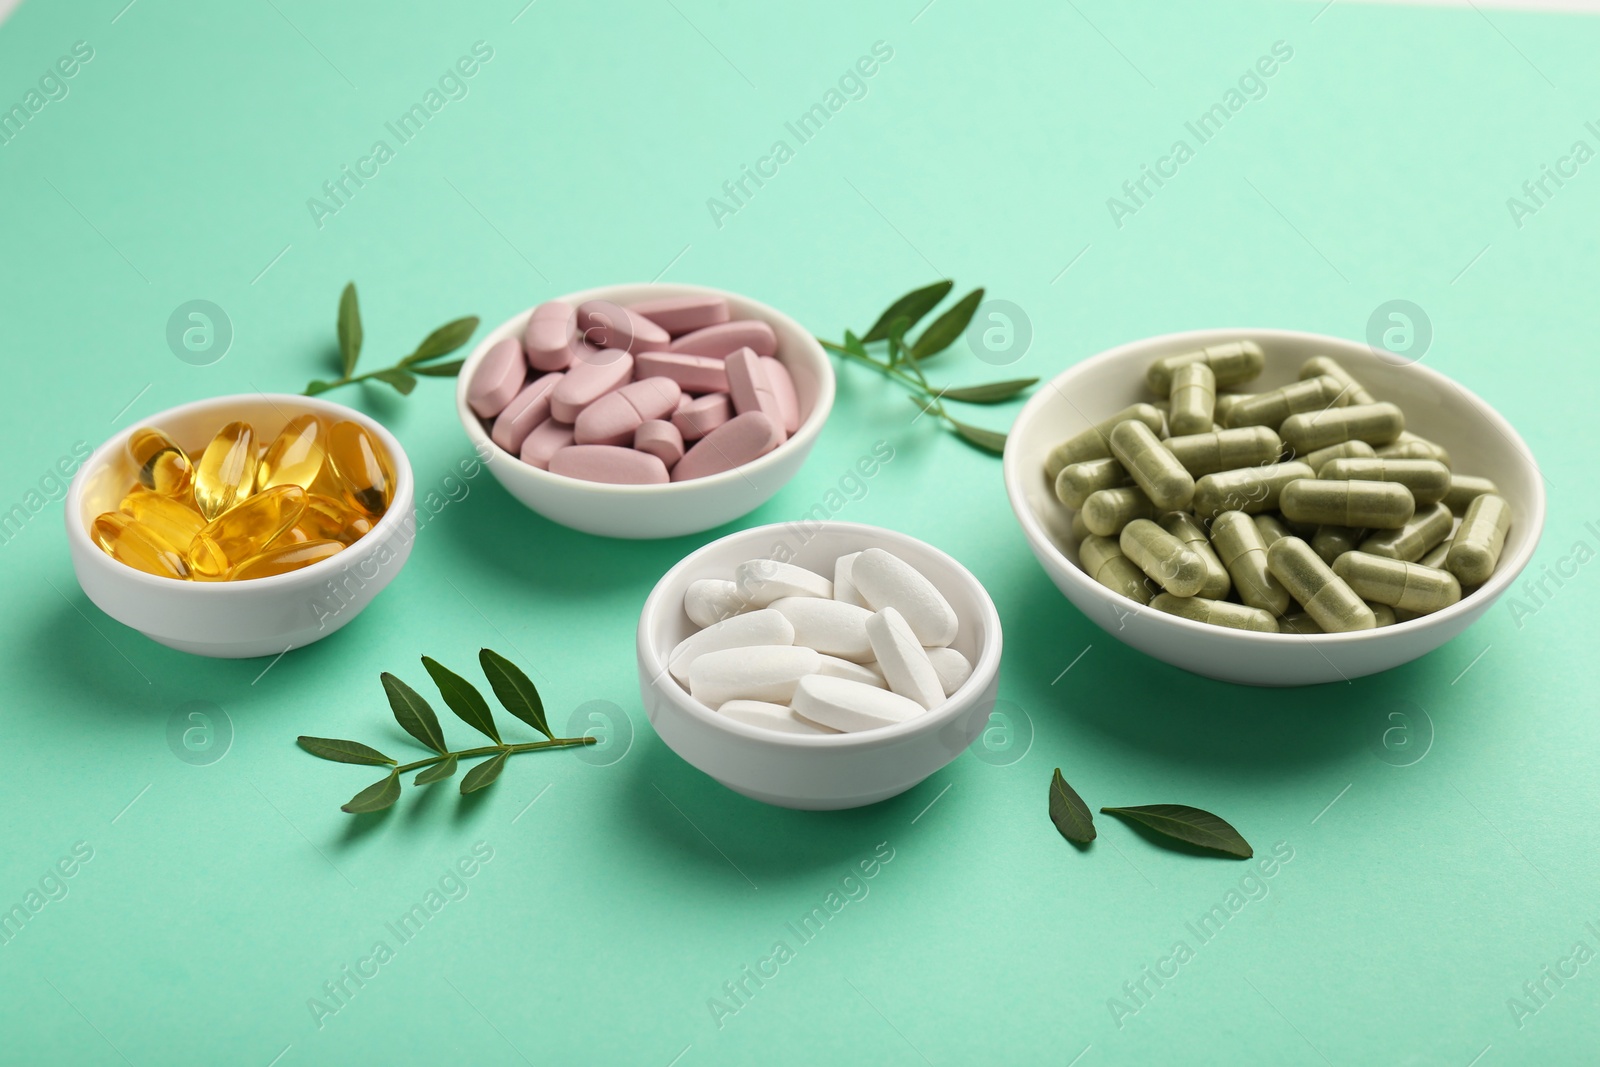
853	344
339	751
1068	811
349	329
1190	825
912	307
484	773
447	338
463	699
991	393
925	404
403	380
413	713
988	440
440	370
947	327
514	690
437	773
316	386
375	797
897	339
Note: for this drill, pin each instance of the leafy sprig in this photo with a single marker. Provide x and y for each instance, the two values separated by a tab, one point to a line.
514	690
1177	822
902	360
402	377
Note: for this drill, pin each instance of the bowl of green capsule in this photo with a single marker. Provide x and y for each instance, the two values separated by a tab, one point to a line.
1270	507
242	525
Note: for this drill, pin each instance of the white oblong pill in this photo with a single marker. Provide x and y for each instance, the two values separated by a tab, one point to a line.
834	667
844	590
884	580
769	716
764	627
849	706
760	673
761	581
710	600
832	628
951	667
901	658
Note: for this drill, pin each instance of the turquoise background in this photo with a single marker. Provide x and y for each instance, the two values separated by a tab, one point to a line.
1440	817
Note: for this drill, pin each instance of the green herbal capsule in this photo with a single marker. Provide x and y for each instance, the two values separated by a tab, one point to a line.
1175	567
1239	543
1427	528
1225	450
1182	525
1216	613
1095	442
1376	424
1367	505
1343	450
1107	511
1435	556
1275	405
1401	585
1153	468
1224	404
1248	489
1103	561
1383	613
1325	596
1409	446
1299	623
1194	397
1077	480
1271	528
1428	479
1354	391
1476	547
1232	364
1464	489
1331	542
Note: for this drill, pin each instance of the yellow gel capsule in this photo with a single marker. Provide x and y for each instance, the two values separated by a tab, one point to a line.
295	456
282	558
227	471
159	463
138	546
175	521
245	530
365	478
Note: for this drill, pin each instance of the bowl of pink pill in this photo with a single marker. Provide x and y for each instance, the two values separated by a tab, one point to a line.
645	410
824	666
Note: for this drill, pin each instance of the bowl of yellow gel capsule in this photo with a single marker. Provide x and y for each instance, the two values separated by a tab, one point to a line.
241	526
1271	507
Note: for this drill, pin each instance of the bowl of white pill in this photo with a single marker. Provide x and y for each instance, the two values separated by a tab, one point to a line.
1269	507
647	410
818	666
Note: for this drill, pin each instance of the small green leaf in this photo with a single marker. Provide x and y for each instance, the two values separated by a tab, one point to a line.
1190	825
375	797
440	370
445	768
463	698
447	338
402	380
988	440
912	307
340	751
947	327
349	329
925	404
484	773
853	344
991	393
413	713
1068	811
316	386
514	690
897	339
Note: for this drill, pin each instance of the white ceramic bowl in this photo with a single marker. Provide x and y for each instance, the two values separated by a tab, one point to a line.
646	511
261	617
824	771
1479	441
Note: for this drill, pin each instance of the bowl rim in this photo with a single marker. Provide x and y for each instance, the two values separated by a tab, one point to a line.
392	520
803	437
1479	599
984	668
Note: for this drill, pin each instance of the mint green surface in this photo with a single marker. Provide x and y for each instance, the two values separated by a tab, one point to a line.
1439	860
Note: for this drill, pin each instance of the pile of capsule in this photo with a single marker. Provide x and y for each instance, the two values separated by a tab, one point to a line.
247	509
1305	509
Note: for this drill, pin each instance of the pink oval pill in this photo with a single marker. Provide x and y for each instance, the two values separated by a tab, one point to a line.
527	410
683	314
612	419
661	439
588	381
697	374
608	325
750	389
547	438
498	378
550	336
733	444
782	383
608	463
723	340
699	417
